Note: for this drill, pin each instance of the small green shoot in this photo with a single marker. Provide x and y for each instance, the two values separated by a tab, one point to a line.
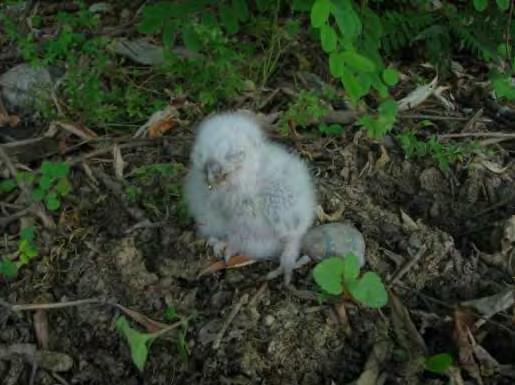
27	249
337	275
139	343
438	363
330	129
8	268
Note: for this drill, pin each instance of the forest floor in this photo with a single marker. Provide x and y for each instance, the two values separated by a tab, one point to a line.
123	245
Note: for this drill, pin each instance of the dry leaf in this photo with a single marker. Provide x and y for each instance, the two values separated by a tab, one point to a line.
491	305
73	128
119	163
493	167
407	334
41	328
417	96
148	323
159	123
464	341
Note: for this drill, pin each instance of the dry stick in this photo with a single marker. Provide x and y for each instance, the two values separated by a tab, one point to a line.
54	305
243	300
438	117
11	218
407	267
504	135
36	209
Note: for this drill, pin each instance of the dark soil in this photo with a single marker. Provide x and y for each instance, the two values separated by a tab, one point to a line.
279	335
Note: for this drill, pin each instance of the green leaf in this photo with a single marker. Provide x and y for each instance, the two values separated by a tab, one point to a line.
27	233
27	250
170	313
328	275
191	39
388	109
328	38
169	35
7	185
320	12
347	20
390	76
352	85
229	19
38	195
331	129
52	202
241	9
302	5
24	177
8	268
480	5
358	62
439	363
63	187
61	169
336	64
369	290
139	343
350	268
504	5
45	182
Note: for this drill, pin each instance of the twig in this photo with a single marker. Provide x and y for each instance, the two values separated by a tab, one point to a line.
407	267
49	306
438	117
11	218
505	135
218	340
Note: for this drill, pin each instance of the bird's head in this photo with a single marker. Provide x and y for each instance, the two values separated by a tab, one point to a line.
227	150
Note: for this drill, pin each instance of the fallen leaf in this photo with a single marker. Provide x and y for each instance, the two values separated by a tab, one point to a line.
149	324
407	334
417	96
119	163
472	356
73	128
41	328
491	305
159	123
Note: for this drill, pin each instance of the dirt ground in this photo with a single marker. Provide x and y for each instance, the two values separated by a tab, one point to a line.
110	248
126	246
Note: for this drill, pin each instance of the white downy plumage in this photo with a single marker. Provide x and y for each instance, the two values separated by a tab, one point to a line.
248	195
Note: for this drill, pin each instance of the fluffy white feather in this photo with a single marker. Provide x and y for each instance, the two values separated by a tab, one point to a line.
247	194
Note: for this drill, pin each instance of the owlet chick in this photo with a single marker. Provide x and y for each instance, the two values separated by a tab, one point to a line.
248	196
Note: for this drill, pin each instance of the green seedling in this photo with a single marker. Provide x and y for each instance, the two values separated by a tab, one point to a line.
139	343
27	250
337	275
52	185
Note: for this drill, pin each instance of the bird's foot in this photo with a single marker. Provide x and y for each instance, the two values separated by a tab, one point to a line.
286	268
221	249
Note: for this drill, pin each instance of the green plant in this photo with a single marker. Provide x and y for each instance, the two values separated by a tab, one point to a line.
438	363
27	250
444	155
306	108
139	343
337	275
351	37
330	129
158	188
51	185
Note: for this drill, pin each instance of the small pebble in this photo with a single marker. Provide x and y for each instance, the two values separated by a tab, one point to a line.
333	240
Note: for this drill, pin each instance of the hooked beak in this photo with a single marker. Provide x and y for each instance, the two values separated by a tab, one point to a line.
214	176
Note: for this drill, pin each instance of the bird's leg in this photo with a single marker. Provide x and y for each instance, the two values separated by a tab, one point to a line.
288	261
221	248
